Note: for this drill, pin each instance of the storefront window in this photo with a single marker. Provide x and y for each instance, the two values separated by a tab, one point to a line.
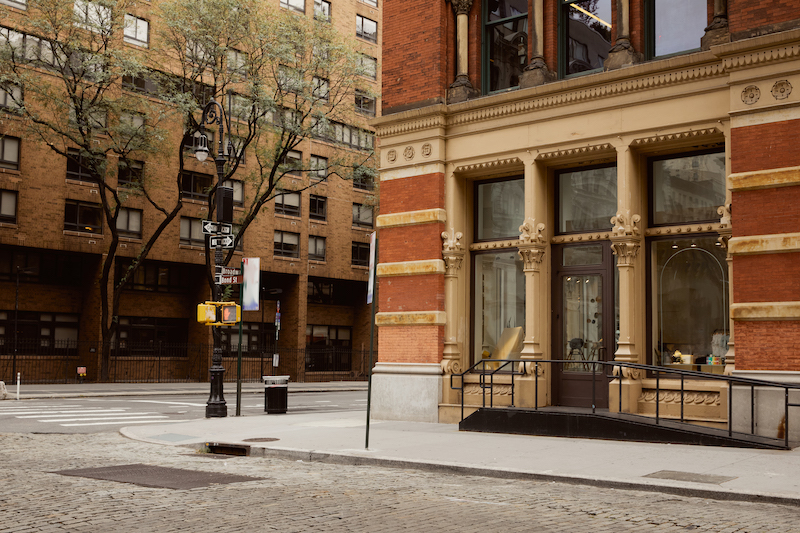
690	306
587	199
501	209
499	308
687	188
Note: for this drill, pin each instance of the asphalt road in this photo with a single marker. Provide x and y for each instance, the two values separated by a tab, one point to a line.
103	414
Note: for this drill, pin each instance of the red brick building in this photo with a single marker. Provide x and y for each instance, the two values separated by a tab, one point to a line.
313	246
575	180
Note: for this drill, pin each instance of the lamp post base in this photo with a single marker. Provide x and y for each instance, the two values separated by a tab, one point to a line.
216	406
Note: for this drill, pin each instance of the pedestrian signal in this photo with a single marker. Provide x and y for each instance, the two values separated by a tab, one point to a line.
231	313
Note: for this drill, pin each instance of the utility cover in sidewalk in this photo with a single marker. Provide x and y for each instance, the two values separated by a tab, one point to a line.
157	476
690	476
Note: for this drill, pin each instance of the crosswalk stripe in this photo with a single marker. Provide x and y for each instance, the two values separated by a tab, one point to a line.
34	414
98	413
103	418
111	423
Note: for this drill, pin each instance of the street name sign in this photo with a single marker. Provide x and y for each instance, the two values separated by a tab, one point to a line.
228	271
229	280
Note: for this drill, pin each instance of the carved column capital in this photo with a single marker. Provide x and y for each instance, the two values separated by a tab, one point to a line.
532	233
625	251
532	257
626	224
452	262
461	7
451	241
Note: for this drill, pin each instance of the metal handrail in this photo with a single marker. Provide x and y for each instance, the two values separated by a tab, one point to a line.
616	373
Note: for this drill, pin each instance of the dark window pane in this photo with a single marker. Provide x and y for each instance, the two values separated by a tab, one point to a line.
501	209
583	255
508	53
588	35
587	199
688	189
501	9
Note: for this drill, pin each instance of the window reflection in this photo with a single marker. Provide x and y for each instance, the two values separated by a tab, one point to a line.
501	209
679	25
506	30
588	35
690	307
688	188
587	199
499	308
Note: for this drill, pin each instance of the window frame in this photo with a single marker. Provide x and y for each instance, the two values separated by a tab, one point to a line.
127	231
130	168
557	197
314	172
475	207
365	104
319	214
287	4
372	71
322	14
281	208
5	198
280	248
357	249
358	219
194	178
7	102
487	26
82	173
238	191
563	40
362	33
649	12
78	225
316	240
6	163
135	39
192	239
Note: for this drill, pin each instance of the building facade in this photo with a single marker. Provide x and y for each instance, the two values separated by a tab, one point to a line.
312	242
600	180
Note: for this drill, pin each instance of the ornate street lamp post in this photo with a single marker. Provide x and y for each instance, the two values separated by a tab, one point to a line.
212	114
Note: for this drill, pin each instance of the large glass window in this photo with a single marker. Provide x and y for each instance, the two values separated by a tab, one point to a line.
286	244
9	153
587	199
500	209
687	188
499	285
585	35
674	26
689	303
506	43
83	216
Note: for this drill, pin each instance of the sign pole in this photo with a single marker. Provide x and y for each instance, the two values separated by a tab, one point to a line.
371	286
239	359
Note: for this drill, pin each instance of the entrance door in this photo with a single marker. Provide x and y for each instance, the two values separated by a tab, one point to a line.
583	299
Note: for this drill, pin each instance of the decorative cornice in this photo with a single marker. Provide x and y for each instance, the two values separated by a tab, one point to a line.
683	230
606	147
677	136
584	237
494	245
411	268
411	318
781	53
414	125
489	164
411	218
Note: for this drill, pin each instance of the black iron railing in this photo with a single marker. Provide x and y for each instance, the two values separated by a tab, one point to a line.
487	369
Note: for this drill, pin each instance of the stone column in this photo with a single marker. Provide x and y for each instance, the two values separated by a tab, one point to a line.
536	73
453	255
717	32
725	233
622	53
461	89
531	246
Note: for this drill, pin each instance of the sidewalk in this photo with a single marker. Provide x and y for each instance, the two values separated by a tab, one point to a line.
709	472
77	390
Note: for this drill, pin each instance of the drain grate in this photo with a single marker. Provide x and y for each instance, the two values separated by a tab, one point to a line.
690	476
157	476
261	439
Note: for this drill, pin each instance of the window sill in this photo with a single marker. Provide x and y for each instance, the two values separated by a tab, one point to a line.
73	233
138	44
9	225
194	201
191	247
284	258
363	228
10	172
81	183
288	217
130	239
317	262
360	267
315	221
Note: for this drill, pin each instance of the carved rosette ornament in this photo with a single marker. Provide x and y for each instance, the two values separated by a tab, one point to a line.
451	366
628	372
461	7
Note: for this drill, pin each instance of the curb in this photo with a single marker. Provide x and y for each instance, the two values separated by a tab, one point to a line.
464	470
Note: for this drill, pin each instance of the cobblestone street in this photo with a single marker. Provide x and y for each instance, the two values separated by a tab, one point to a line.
301	496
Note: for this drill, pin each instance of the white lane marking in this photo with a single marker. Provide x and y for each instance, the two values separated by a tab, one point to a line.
39	414
56	418
121	422
365	401
323	401
171	403
14	406
102	418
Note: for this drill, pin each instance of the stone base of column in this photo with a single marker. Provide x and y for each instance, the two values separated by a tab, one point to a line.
406	391
769	405
631	390
715	36
461	90
536	74
622	55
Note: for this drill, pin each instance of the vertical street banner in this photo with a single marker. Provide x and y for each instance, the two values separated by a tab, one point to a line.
251	284
371	282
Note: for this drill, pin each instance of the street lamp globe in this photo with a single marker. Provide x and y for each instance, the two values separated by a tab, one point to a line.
201	152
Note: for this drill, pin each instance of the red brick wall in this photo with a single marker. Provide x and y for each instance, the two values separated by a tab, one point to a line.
414	51
410	344
746	15
767	345
766	278
412	194
766	211
412	243
412	293
765	146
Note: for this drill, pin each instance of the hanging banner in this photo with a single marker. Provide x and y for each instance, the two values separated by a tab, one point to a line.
372	258
251	285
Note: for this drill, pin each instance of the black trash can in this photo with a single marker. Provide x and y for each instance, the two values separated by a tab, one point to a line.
276	394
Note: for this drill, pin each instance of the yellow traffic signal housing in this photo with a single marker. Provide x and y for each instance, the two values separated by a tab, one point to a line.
231	313
207	313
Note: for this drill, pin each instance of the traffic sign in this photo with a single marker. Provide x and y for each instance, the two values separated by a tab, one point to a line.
216	228
226	241
229	280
